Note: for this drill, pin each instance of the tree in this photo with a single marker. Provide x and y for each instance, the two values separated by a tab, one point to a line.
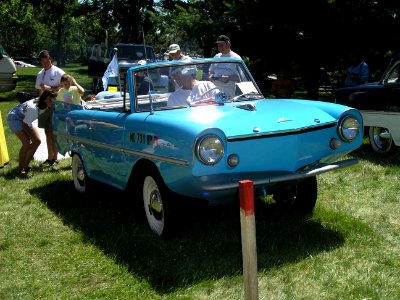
129	17
17	34
300	36
57	26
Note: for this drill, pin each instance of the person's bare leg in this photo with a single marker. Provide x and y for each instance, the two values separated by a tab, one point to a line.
21	135
49	142
53	146
35	141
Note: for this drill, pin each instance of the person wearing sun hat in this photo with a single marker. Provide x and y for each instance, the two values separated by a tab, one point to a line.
189	89
224	75
174	52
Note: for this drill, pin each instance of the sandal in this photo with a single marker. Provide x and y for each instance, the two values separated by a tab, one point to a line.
48	162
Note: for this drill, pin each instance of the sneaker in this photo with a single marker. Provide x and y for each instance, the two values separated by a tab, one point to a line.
22	173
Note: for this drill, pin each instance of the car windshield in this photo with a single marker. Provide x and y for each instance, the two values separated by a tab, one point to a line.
192	83
393	76
3	52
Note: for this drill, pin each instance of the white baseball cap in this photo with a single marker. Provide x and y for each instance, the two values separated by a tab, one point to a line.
173	48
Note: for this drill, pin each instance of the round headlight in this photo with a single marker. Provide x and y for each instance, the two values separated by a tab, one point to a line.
349	128
210	149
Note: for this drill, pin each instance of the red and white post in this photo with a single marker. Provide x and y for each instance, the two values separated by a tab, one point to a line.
249	247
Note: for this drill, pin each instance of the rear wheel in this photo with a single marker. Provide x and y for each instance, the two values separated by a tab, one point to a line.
380	139
300	197
79	176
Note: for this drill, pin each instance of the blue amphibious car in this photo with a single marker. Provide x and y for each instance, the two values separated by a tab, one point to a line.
199	128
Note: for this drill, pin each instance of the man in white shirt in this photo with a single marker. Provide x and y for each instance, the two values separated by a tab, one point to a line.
48	78
174	53
225	75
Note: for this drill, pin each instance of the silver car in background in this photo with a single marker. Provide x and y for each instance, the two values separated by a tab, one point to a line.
8	72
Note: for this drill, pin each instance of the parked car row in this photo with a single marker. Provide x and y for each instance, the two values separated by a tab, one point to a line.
379	104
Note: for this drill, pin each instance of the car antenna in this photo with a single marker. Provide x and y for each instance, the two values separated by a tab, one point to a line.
147	73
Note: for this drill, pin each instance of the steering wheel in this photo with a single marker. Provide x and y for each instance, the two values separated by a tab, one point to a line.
205	93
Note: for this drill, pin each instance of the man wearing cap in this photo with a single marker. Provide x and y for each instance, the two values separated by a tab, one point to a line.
174	52
224	75
189	90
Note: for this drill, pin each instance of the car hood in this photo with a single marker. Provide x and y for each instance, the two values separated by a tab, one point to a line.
365	96
255	117
359	88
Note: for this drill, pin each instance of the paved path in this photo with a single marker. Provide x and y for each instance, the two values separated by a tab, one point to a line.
41	152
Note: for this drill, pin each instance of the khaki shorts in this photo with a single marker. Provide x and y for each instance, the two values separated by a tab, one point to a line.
45	119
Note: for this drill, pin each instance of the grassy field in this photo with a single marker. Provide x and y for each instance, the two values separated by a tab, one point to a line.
57	244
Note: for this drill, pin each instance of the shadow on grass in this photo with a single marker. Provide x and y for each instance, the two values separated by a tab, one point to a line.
365	152
12	171
207	247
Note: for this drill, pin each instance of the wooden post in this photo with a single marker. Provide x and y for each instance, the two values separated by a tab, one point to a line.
249	247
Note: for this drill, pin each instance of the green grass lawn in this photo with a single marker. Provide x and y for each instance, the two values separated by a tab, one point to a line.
58	244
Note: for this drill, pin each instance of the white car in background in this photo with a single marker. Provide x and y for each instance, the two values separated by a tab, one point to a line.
22	64
8	72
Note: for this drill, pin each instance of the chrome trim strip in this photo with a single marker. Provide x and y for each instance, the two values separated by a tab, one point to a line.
279	133
288	177
179	162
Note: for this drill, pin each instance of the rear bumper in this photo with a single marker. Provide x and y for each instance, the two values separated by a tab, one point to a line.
8	84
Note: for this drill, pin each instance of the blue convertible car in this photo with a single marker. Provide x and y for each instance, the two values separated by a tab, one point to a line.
193	129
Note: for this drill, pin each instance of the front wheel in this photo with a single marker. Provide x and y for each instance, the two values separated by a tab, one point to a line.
300	197
380	139
157	205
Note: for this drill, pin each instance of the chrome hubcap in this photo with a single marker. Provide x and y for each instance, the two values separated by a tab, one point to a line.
80	174
155	205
